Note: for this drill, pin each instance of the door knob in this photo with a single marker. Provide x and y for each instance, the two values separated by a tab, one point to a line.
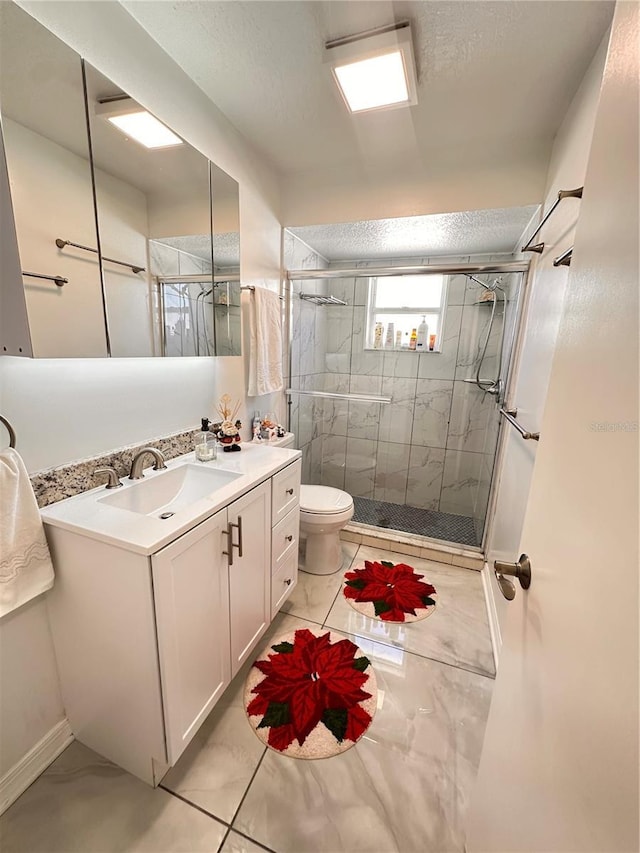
520	570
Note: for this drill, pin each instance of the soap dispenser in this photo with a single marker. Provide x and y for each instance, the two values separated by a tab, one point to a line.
205	443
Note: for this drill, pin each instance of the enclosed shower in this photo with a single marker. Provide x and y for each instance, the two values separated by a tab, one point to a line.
411	435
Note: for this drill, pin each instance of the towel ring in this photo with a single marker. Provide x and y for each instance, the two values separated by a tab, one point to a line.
10	430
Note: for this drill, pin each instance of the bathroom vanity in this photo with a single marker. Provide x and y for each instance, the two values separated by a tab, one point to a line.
153	616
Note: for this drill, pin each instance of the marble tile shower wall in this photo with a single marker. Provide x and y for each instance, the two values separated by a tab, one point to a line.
434	445
308	353
166	260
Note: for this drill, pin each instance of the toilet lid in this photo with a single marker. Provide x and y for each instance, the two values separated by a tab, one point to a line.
323	499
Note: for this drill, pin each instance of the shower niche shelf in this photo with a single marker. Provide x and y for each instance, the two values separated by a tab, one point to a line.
321	300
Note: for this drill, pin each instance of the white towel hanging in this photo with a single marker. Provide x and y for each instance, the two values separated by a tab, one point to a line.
26	569
265	348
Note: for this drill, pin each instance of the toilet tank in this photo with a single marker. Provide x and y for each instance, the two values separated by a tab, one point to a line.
287	440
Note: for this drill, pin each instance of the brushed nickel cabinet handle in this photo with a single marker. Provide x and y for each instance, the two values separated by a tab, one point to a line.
289	538
230	543
240	540
229	532
288	581
289	491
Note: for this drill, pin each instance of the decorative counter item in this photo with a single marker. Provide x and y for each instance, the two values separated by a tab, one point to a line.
228	430
269	426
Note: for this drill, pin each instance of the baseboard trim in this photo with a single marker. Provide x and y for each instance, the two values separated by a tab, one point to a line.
492	614
24	772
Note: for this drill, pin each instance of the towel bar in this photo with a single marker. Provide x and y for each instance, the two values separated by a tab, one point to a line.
10	430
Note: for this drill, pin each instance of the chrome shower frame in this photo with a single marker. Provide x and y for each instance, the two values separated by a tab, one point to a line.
515	341
494	386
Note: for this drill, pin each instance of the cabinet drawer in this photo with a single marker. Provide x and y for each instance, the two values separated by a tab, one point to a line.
286	491
284	538
284	581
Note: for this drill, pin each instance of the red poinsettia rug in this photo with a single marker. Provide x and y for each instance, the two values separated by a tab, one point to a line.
393	592
311	695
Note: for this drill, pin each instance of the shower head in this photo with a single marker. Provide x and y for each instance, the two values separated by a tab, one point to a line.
495	284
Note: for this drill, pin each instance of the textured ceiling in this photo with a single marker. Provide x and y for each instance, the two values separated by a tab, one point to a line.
226	247
473	232
494	77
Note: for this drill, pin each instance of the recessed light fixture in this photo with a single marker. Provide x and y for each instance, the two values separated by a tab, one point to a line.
136	122
375	70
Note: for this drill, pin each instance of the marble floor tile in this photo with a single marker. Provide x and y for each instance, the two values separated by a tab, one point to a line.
457	633
85	804
236	843
216	768
314	594
404	787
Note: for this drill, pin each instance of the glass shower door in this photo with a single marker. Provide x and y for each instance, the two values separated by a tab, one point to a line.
411	436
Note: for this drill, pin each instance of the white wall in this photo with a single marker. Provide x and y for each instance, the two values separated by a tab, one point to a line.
122	215
51	196
544	309
559	765
67	409
436	187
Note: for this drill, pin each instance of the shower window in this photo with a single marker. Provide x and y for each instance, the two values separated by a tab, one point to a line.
404	301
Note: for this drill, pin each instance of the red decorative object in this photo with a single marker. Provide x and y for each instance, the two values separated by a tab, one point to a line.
311	702
394	592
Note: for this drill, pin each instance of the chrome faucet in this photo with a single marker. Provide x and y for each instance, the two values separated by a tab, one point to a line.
114	481
136	465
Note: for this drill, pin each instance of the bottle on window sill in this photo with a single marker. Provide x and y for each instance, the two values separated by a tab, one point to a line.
423	335
388	344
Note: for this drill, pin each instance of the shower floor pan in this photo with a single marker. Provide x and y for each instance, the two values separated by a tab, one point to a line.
458	529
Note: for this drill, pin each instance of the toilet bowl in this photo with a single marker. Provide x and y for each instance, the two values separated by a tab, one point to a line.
324	511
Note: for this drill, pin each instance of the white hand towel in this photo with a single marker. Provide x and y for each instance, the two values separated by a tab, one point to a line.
265	348
25	564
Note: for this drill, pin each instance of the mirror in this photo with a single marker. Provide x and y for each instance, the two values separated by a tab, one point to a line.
45	135
154	197
226	260
159	275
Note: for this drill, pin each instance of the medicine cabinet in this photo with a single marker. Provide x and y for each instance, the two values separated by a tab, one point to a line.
125	250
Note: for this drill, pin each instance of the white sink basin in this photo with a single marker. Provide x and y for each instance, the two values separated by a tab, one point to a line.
171	491
188	492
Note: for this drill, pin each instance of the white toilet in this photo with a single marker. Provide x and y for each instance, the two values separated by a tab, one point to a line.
324	511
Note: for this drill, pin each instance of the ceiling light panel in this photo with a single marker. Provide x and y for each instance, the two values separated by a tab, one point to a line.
375	71
137	123
376	82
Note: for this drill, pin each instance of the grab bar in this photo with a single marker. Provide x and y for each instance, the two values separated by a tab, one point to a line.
563	260
510	415
57	278
10	430
62	243
539	247
359	398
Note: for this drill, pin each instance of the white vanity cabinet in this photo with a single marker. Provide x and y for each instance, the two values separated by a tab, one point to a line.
147	643
191	594
249	572
212	602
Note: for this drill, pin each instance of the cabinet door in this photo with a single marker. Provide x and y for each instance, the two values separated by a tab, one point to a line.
191	591
249	572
